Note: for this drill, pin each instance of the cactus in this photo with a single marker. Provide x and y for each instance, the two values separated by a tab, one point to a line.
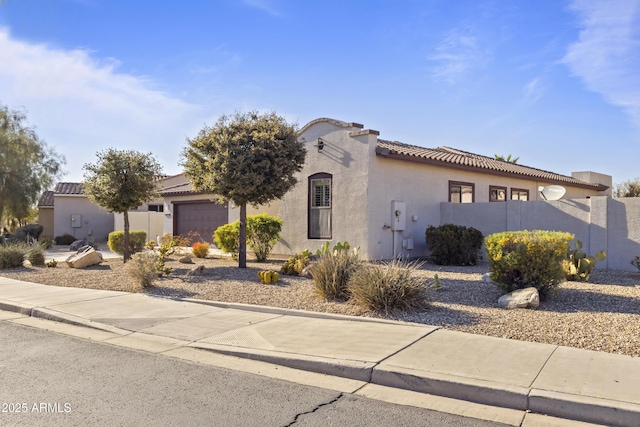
268	276
578	266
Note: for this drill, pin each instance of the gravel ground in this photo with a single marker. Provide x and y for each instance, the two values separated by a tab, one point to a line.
602	315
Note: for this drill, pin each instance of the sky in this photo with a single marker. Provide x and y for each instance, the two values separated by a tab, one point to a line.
553	82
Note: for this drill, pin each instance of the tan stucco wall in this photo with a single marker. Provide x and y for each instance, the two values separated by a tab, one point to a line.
96	222
45	219
365	186
150	222
347	160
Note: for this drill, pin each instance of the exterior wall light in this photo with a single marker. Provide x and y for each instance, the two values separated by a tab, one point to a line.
320	145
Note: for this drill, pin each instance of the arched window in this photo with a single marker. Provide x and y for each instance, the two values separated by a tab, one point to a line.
319	207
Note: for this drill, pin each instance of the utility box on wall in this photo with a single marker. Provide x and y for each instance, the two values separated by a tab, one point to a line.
398	215
76	220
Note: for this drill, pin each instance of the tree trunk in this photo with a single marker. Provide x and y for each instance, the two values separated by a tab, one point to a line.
125	241
242	244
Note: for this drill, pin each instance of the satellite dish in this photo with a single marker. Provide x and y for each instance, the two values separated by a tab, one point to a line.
552	192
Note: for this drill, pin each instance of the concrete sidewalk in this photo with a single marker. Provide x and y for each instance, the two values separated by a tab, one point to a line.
509	379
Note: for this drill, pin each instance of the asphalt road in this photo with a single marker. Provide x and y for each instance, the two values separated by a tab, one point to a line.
49	379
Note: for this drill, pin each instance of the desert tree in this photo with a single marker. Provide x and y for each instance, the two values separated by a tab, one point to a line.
122	180
247	158
629	188
27	165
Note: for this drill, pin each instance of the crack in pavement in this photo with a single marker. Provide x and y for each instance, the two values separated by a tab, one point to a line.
295	419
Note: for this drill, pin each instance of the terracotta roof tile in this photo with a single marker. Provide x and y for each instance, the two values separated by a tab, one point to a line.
69	188
46	200
458	158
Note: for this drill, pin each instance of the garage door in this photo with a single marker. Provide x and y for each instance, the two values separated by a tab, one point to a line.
201	216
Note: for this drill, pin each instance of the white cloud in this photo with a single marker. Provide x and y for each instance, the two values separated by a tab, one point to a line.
533	90
458	54
264	5
607	54
80	104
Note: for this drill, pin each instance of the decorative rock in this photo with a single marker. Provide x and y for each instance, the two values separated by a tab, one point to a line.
486	277
520	298
186	259
84	259
196	271
79	244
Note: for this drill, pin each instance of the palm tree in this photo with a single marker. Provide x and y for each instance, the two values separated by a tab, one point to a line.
507	159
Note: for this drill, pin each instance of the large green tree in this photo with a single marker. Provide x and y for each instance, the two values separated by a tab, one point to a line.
629	188
27	165
247	158
122	180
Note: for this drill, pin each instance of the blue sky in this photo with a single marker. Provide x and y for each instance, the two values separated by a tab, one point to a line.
554	82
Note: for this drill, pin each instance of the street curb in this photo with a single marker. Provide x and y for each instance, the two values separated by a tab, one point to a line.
557	404
56	316
349	369
584	408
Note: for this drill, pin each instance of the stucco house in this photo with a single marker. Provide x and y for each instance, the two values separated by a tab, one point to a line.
381	195
377	194
67	210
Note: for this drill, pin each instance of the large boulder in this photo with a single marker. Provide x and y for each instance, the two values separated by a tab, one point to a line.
520	298
84	259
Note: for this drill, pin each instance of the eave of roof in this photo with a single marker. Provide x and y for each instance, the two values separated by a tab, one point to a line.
452	158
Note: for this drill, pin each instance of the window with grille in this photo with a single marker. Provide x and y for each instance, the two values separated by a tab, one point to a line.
320	206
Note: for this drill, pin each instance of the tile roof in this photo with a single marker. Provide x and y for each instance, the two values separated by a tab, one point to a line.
451	157
178	189
69	188
46	200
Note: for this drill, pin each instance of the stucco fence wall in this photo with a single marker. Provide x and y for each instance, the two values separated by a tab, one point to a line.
151	222
599	222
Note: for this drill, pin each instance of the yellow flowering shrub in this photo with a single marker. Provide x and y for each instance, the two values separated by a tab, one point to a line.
521	259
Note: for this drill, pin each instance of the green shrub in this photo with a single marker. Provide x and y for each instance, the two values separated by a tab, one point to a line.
452	244
35	255
263	232
578	266
12	255
46	242
200	249
137	240
332	272
142	268
389	287
226	238
52	264
65	239
296	263
521	259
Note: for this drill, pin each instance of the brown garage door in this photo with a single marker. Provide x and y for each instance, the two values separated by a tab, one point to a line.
201	216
